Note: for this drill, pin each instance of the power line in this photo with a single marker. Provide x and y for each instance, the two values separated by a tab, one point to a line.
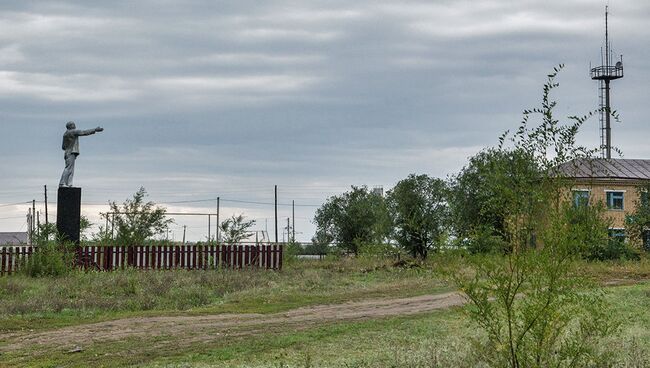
12	218
91	203
14	204
204	200
270	204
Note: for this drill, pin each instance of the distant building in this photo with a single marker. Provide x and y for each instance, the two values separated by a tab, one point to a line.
13	238
615	182
378	190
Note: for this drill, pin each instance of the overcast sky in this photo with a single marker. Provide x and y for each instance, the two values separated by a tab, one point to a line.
201	99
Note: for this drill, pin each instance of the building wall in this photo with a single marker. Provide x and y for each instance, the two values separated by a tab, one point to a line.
597	193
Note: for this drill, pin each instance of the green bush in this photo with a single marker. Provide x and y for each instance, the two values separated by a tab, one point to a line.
612	249
484	241
377	251
49	259
294	249
317	248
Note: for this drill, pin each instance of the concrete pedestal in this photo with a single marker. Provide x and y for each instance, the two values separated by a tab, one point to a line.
68	214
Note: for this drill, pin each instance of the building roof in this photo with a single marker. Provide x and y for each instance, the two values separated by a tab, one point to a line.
599	168
16	238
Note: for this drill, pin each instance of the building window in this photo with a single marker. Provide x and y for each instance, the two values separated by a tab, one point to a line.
617	234
646	240
615	200
645	199
580	198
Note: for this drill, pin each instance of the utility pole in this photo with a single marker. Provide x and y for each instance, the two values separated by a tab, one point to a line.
29	225
218	223
38	223
209	227
34	214
293	220
276	214
46	219
288	230
184	230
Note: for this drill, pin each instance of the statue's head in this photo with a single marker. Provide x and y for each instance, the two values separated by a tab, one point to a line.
70	125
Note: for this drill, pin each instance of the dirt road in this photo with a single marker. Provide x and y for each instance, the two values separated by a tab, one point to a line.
205	328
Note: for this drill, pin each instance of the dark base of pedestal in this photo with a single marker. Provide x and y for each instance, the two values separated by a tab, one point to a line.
68	214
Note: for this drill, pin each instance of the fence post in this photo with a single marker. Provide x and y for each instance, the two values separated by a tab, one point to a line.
254	256
161	257
182	254
261	255
91	260
274	252
246	261
30	251
3	258
10	261
111	258
195	264
199	255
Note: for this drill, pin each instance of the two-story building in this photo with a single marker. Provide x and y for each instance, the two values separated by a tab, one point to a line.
614	182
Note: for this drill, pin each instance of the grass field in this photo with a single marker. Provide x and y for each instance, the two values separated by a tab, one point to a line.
28	303
436	338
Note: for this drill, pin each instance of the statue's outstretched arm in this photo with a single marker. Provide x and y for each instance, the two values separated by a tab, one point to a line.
89	131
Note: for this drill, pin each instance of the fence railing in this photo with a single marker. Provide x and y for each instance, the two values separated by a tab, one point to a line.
164	257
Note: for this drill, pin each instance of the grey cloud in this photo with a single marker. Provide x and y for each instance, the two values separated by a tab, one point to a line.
200	98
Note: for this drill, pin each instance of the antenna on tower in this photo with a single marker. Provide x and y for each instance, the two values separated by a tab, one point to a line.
604	74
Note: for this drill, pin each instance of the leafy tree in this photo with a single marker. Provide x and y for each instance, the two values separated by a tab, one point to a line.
638	223
418	210
84	225
235	229
483	194
46	232
352	219
137	220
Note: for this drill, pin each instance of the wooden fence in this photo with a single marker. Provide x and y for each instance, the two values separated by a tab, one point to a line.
188	257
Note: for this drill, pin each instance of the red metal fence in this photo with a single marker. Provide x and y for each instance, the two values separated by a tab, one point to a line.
164	257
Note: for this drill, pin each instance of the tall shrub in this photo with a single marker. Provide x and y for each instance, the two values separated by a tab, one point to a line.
530	303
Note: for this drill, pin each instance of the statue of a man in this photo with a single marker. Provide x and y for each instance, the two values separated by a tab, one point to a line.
71	148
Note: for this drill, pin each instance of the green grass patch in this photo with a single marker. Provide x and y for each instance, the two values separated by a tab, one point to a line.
437	339
43	303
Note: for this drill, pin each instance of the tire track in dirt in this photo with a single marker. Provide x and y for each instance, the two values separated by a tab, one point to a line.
204	328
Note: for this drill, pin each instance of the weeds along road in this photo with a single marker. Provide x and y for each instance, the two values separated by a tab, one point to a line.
185	330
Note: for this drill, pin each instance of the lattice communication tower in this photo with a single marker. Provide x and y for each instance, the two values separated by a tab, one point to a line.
604	74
